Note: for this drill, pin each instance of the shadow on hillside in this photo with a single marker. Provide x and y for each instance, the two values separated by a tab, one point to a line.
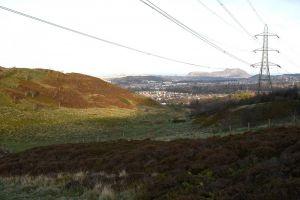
246	109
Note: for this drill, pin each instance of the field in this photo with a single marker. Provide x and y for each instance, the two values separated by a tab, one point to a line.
21	129
254	165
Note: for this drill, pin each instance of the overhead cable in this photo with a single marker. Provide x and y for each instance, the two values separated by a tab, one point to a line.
98	38
215	13
193	32
256	12
234	18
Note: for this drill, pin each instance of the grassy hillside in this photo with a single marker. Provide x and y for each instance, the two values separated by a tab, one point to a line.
23	129
255	165
243	109
46	88
29	117
42	107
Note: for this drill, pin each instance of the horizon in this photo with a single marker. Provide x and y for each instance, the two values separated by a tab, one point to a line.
112	76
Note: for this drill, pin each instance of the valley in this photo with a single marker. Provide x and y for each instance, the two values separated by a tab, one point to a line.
149	100
198	86
58	141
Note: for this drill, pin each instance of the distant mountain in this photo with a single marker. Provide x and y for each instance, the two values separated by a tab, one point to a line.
227	73
72	90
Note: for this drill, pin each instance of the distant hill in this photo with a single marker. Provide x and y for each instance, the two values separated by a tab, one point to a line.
44	87
227	73
137	79
132	80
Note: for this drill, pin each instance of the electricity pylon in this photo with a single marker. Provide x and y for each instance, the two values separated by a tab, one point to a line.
264	78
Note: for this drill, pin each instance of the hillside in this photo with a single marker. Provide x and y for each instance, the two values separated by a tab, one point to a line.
41	107
248	109
254	165
227	73
41	87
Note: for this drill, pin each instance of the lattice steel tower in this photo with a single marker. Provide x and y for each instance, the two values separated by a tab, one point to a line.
264	78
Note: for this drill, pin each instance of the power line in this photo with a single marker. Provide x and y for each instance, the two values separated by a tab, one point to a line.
256	12
218	16
98	38
224	21
168	16
291	61
291	51
215	13
193	32
234	18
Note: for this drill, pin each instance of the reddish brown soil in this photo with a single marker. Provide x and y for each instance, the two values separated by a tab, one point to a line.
255	165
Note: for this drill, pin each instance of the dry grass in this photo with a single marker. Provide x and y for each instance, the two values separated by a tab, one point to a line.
81	185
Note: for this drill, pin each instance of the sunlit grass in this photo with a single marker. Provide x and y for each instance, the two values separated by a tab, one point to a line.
22	128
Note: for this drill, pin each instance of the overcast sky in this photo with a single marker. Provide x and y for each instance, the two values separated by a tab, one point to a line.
27	43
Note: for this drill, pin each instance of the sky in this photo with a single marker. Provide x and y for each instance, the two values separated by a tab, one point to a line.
27	43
